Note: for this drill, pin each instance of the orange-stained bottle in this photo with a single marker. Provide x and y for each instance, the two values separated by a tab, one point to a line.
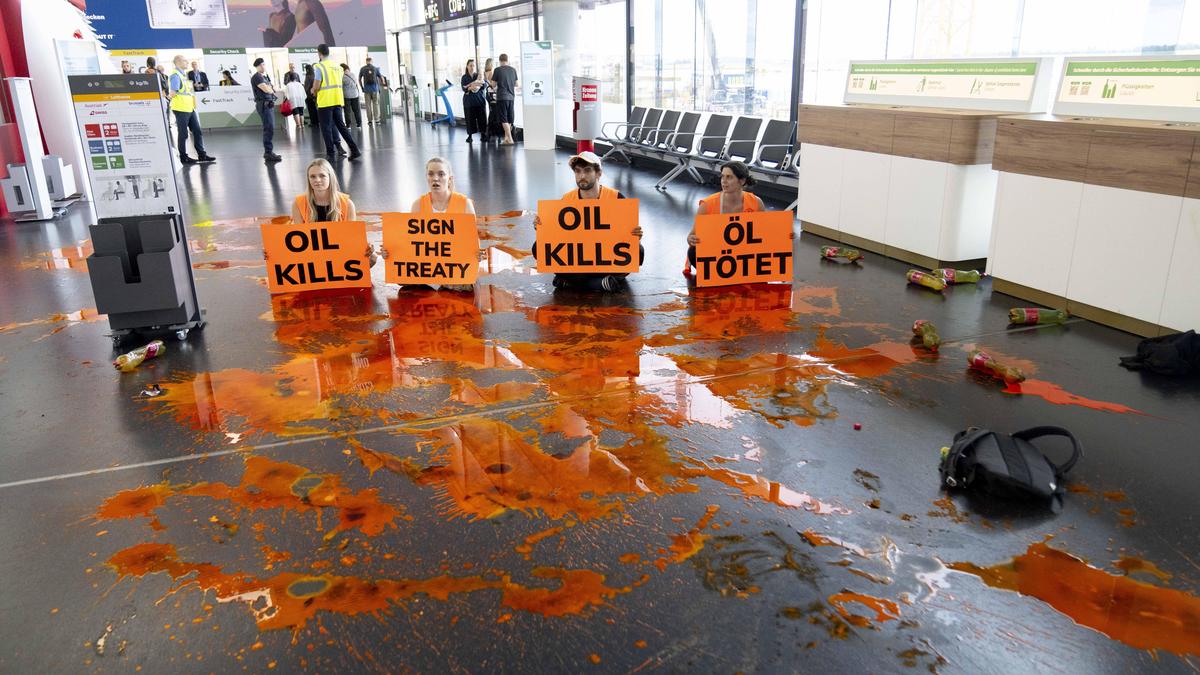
953	276
1032	315
925	279
927	333
127	363
832	252
981	360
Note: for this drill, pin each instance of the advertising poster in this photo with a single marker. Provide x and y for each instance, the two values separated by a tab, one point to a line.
123	126
587	108
743	248
537	73
187	14
588	236
185	24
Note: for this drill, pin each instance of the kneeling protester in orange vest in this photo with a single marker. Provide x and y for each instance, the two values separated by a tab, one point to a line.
743	248
431	248
588	236
316	256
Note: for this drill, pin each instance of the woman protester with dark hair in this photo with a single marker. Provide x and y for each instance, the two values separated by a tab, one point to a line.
733	198
474	101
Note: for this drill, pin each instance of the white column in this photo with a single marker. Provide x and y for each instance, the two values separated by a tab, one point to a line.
561	23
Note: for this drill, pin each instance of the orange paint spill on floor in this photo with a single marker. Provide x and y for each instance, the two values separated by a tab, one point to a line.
1057	395
684	546
760	488
290	599
73	258
1132	612
885	610
267	484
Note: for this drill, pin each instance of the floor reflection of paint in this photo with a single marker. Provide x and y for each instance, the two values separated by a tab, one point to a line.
1136	613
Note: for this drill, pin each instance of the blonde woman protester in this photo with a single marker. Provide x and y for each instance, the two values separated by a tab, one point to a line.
441	198
733	198
324	202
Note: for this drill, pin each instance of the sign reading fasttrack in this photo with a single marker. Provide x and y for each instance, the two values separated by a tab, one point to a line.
588	236
742	248
426	248
315	256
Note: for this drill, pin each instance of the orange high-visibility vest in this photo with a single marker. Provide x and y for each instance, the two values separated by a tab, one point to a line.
457	203
605	193
712	203
306	215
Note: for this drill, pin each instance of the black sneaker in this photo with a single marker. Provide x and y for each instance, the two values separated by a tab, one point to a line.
611	283
184	159
272	157
559	282
207	158
469	140
355	155
341	150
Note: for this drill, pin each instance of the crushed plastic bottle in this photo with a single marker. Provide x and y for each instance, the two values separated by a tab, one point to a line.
953	276
127	363
927	333
982	361
850	254
1034	315
925	279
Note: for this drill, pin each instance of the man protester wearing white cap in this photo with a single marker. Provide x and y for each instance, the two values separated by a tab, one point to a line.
264	103
586	166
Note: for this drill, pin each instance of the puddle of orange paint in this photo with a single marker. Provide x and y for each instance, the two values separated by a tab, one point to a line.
885	610
1126	610
1057	395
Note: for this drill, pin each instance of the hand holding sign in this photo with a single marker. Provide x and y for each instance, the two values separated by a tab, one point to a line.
431	248
738	248
599	236
313	256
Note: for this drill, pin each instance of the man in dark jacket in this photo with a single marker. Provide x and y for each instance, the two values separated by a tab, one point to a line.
198	77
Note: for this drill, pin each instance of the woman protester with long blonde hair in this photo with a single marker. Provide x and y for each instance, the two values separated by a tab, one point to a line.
323	201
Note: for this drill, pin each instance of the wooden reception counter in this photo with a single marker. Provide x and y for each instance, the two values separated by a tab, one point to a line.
1100	217
908	182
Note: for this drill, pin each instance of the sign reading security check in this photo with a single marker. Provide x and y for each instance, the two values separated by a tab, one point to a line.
741	248
316	256
425	248
588	236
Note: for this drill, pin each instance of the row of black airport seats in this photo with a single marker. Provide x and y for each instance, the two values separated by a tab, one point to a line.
772	152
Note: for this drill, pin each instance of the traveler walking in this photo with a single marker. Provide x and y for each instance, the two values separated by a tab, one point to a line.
370	78
474	101
310	99
504	79
350	94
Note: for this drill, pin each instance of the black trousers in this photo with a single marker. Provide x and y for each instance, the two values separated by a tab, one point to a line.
267	113
333	125
476	119
185	122
310	102
354	109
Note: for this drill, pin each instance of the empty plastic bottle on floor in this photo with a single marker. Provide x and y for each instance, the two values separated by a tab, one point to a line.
953	276
981	360
925	279
832	252
928	334
129	362
1032	315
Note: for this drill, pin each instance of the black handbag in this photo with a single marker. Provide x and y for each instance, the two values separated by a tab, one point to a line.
1007	466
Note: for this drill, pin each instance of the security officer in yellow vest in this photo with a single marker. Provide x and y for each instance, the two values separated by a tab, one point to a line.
183	103
327	87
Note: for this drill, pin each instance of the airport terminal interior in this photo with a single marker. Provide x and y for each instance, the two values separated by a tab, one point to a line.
235	441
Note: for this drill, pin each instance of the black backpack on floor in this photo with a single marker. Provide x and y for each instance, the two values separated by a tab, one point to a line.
1009	467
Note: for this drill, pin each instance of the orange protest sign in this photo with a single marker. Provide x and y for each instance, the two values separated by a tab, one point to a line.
431	248
587	236
314	256
743	248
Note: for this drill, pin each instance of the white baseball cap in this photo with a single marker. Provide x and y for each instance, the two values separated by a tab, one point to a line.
587	156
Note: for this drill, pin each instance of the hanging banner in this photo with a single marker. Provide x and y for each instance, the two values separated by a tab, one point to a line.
588	236
316	256
187	14
426	248
744	248
123	125
1163	88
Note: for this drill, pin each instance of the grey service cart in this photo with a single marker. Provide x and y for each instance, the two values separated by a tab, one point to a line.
141	273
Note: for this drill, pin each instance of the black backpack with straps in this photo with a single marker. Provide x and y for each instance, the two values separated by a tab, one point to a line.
1007	466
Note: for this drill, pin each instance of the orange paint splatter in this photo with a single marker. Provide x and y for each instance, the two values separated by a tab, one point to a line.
527	548
1058	396
885	610
758	487
1131	565
684	546
1129	611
